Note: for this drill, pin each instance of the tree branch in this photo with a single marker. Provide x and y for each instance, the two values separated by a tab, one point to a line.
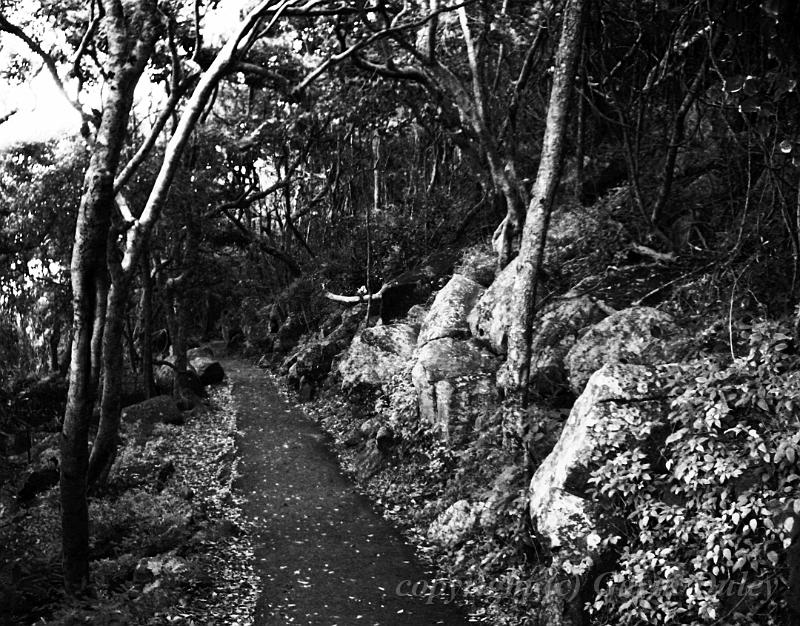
47	59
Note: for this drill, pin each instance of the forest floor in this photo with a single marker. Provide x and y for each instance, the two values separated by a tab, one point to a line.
324	556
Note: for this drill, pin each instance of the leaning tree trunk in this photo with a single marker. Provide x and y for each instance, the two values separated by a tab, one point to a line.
517	368
131	38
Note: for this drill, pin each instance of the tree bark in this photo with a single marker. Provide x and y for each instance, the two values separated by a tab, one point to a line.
517	368
146	311
376	196
131	38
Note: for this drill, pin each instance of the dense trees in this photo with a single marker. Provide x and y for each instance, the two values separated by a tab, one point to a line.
328	140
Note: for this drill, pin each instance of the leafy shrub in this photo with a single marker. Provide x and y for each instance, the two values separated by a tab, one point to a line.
708	520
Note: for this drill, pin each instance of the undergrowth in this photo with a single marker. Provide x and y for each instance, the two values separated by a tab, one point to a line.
168	545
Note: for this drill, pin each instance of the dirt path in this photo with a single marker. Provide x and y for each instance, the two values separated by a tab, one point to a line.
323	555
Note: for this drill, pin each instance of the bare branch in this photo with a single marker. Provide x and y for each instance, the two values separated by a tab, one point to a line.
6	116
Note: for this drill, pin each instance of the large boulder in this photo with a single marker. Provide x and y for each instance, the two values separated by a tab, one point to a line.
637	335
164	377
455	382
376	355
617	399
491	316
447	316
208	369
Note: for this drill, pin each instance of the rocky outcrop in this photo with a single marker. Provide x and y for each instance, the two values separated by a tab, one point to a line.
637	336
556	332
617	401
376	355
490	317
311	362
448	313
455	382
288	335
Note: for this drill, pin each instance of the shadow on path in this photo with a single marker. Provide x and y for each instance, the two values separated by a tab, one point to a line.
323	555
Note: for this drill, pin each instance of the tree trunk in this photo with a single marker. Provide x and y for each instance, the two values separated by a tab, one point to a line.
517	368
52	346
376	197
146	311
129	54
105	443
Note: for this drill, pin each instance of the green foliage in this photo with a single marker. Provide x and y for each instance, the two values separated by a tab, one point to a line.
709	515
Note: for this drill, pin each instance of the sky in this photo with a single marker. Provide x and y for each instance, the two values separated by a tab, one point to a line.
44	113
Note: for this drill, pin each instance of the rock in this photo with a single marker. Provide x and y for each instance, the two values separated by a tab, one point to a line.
555	332
369	461
416	315
312	360
369	427
164	377
414	286
616	398
37	481
637	336
376	355
305	391
448	314
330	323
490	317
454	381
288	334
209	371
159	409
193	353
384	438
454	525
478	263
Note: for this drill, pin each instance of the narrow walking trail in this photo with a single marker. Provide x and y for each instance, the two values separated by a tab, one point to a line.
323	555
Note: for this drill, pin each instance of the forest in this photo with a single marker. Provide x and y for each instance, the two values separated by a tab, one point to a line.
529	270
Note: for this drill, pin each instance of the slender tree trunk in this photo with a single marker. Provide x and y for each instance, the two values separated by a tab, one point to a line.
146	311
376	198
103	450
52	345
98	324
517	367
129	52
